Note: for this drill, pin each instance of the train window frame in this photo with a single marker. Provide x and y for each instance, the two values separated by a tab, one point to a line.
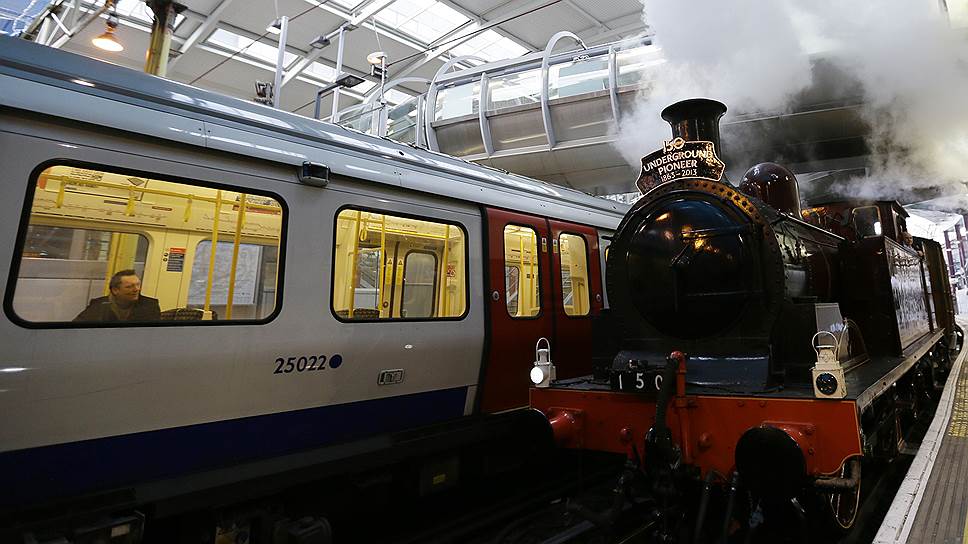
403	289
20	241
395	213
588	272
874	226
538	253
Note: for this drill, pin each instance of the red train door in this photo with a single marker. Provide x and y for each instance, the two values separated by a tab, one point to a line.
577	286
544	281
520	306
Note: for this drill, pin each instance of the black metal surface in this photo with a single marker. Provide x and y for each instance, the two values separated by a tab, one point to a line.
696	119
770	463
687	266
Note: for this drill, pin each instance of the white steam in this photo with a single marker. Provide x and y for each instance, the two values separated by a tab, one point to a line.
754	56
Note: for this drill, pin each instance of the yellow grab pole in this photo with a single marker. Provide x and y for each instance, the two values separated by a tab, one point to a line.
60	194
113	250
211	256
383	260
444	283
129	209
239	223
355	261
188	208
534	286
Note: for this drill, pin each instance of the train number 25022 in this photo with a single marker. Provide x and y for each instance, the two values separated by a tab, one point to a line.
306	363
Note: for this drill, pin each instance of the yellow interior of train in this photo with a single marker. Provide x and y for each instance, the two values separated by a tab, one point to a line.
86	224
391	267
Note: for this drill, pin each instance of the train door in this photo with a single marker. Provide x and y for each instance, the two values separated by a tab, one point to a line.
577	286
519	299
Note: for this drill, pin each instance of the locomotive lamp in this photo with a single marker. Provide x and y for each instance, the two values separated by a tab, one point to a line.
828	374
543	372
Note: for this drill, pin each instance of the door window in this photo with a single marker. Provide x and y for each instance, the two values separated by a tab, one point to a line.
522	275
574	274
419	284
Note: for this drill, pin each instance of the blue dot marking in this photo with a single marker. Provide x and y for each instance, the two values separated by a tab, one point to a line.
335	361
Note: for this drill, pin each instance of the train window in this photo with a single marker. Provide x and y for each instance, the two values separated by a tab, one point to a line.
106	247
522	275
392	267
574	274
867	221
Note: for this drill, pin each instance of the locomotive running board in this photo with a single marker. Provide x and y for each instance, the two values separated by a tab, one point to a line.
911	355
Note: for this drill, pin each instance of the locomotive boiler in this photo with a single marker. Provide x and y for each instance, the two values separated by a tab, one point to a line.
750	344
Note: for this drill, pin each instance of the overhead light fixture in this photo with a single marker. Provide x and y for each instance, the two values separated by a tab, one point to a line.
108	41
376	58
275	27
348	80
344	80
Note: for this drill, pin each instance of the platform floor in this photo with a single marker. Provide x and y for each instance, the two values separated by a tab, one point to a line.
931	507
942	513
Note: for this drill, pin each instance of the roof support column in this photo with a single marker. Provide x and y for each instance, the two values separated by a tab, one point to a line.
156	62
280	61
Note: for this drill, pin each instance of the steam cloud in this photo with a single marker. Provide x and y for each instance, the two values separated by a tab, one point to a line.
754	56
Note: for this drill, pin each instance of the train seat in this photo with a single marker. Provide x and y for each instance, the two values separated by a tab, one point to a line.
185	314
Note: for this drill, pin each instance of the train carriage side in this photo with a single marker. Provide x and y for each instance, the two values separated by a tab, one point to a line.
327	321
82	400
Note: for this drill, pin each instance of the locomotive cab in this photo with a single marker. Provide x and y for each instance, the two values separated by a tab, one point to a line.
859	219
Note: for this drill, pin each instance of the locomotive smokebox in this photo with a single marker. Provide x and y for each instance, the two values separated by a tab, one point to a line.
696	119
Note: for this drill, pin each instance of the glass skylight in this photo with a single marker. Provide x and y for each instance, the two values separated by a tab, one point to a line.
347	4
490	46
364	87
394	96
256	50
425	20
320	71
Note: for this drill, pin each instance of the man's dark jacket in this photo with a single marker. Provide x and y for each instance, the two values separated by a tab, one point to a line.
99	309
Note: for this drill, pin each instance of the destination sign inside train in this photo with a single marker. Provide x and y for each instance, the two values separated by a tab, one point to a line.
679	159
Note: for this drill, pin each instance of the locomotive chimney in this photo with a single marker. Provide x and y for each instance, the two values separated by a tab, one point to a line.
696	119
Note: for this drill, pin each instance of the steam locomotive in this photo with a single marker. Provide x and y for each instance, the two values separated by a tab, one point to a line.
767	351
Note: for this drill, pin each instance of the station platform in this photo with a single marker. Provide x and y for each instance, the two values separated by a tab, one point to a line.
931	505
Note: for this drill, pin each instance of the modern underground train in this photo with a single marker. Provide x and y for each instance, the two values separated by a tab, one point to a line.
206	300
755	356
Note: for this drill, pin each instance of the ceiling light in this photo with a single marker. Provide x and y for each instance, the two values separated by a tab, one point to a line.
376	58
108	41
348	80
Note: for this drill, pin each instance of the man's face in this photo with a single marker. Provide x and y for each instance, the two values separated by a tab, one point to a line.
129	289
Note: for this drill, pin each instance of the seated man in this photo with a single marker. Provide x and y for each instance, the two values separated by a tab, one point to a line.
125	303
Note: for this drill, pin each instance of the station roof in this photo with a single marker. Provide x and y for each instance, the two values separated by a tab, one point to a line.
224	45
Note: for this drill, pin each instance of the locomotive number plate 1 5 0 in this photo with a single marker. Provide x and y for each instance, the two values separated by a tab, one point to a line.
639	381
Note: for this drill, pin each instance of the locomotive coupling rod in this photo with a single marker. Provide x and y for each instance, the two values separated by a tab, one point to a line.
842	484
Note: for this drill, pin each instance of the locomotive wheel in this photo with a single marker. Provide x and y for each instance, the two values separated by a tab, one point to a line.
844	506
